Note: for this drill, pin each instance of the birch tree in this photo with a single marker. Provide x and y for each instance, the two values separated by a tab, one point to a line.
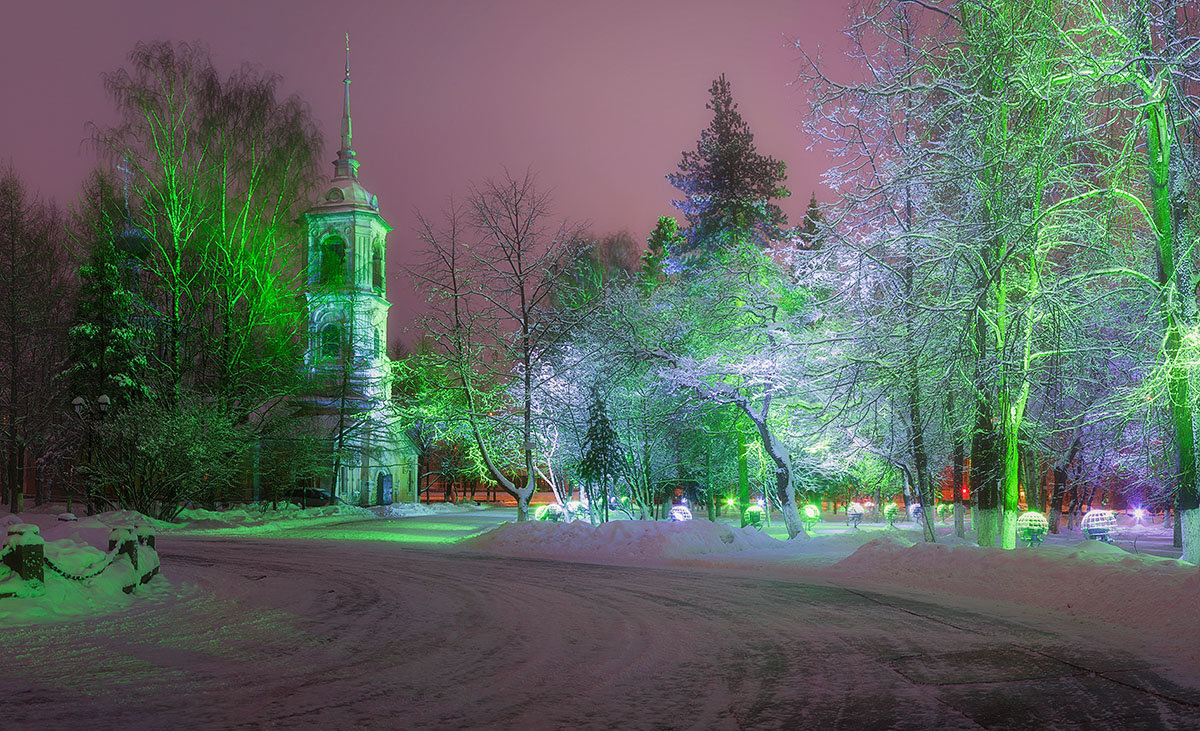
493	268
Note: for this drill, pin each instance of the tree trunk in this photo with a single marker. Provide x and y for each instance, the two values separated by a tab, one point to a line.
524	495
984	479
743	475
784	489
960	458
1056	497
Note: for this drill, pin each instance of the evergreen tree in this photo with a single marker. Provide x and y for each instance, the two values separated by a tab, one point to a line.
664	239
810	232
109	339
729	188
601	450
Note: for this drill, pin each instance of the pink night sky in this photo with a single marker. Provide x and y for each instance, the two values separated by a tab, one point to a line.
598	98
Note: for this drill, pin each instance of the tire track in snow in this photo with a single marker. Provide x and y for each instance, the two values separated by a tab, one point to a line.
308	634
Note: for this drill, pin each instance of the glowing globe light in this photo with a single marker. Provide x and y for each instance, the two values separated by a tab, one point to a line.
680	513
754	516
890	511
1099	524
810	515
1138	514
1032	527
854	512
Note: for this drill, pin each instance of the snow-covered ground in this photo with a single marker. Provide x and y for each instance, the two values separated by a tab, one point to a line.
533	625
79	543
1069	574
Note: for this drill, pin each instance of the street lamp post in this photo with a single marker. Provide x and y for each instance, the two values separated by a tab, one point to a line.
90	418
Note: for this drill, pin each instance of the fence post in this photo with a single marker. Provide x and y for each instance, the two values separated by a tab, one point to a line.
26	556
145	534
126	539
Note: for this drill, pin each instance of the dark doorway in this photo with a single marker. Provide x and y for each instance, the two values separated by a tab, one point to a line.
383	488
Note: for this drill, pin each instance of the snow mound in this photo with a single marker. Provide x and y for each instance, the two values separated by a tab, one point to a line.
1093	579
409	510
92	529
620	539
260	515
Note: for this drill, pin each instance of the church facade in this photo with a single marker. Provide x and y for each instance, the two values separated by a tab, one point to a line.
346	362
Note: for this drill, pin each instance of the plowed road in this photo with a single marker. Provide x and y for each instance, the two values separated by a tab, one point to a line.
277	633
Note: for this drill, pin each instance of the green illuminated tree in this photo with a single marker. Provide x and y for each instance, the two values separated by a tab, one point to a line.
663	240
216	173
974	161
220	171
726	336
1151	55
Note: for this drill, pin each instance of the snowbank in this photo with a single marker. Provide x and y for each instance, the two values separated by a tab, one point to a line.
410	510
1092	579
78	547
619	539
257	516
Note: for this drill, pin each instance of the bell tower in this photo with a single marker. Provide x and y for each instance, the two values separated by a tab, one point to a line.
349	401
346	288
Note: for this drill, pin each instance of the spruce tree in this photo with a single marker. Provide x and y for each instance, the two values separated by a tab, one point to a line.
729	188
663	240
108	344
110	335
810	232
601	450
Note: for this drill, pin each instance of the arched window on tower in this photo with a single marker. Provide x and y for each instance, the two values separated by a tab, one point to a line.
377	269
331	342
333	261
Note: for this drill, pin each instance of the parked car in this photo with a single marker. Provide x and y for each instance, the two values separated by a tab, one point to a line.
309	497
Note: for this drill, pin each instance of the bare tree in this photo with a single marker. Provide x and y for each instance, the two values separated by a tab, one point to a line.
493	269
33	325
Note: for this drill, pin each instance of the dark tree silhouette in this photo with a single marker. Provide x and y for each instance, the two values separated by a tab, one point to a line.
729	188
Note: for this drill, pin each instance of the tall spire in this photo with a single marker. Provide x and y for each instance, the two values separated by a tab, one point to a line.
346	166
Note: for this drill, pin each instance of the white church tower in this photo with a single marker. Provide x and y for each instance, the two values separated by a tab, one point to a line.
346	297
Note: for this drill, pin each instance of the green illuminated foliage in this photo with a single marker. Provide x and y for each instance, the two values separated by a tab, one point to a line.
663	240
219	171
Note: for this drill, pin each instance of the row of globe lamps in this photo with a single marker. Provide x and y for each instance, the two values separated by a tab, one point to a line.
1032	526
